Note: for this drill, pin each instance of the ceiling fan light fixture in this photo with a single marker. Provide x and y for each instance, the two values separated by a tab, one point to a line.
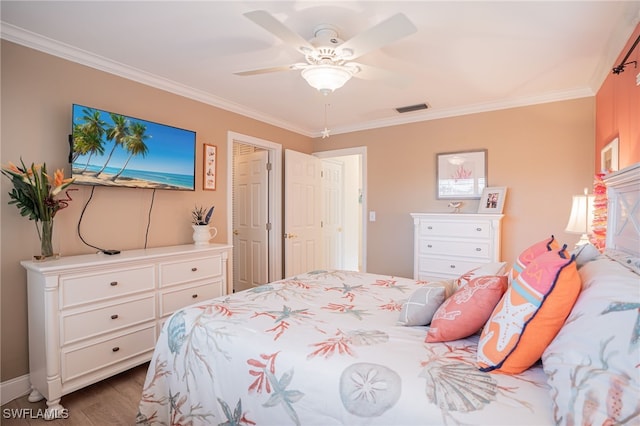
327	78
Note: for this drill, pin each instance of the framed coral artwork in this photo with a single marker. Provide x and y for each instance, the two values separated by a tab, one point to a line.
461	175
209	169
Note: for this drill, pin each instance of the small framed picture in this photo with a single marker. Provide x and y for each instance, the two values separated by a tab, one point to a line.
209	169
609	157
492	200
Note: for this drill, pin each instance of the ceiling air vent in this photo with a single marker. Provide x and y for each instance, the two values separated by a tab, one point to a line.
410	108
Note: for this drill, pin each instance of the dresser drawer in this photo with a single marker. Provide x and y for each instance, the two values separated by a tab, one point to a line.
449	267
82	360
84	288
90	323
171	301
172	273
480	249
455	229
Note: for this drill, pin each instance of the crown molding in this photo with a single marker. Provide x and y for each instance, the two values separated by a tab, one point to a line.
434	114
36	41
43	44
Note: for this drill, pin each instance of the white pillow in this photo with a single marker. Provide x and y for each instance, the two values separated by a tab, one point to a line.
592	364
585	253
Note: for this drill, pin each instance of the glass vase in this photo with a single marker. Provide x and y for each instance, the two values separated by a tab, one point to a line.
46	238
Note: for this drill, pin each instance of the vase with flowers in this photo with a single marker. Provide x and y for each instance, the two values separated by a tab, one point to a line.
202	232
37	195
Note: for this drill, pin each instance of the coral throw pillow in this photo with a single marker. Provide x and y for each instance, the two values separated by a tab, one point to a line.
530	314
468	310
530	253
494	268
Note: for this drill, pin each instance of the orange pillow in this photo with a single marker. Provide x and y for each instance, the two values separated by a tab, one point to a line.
530	314
464	313
530	253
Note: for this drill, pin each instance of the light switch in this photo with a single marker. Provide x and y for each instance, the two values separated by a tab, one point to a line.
372	216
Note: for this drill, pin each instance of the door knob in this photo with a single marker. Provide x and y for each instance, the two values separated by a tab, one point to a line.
235	232
290	235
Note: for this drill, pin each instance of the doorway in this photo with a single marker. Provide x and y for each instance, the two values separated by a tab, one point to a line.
254	263
348	248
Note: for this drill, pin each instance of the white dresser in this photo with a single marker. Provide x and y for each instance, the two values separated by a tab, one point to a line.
446	245
92	316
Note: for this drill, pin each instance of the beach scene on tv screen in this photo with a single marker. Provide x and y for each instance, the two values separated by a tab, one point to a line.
116	150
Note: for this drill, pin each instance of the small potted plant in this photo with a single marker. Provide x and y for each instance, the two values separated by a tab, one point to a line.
202	232
201	216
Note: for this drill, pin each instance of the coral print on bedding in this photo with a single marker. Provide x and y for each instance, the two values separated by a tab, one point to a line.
325	348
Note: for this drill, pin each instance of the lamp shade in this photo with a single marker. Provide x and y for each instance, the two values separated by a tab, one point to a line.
327	78
581	218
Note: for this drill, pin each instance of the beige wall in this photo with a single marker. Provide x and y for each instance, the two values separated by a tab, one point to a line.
543	153
37	93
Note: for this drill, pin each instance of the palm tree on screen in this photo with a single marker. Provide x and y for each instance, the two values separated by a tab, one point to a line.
134	144
116	133
87	137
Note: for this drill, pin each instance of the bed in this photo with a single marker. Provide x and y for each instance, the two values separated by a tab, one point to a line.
342	347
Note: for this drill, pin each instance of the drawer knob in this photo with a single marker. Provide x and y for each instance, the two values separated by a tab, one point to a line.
116	349
429	246
113	283
194	269
452	266
478	249
114	316
194	296
478	229
429	227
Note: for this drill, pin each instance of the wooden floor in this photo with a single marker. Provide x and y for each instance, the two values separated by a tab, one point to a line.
113	401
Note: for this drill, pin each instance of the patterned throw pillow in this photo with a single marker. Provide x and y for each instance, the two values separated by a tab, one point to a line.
464	313
424	302
493	268
530	314
530	253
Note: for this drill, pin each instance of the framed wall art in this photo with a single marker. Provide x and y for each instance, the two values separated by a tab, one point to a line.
461	175
492	200
609	157
209	169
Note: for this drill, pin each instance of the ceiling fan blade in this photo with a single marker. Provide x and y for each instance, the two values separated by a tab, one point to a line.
277	28
392	29
367	72
265	70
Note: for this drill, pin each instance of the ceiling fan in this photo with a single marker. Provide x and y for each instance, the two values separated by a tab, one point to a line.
328	58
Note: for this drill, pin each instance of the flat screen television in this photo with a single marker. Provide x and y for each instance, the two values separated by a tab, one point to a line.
116	150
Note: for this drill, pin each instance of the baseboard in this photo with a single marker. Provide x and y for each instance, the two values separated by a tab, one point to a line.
14	388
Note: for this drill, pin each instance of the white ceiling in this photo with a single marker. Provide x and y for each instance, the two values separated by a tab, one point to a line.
465	57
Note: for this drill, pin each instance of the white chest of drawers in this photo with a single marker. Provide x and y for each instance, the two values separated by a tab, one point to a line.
92	316
446	245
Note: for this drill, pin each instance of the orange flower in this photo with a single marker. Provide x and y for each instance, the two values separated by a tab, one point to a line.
58	183
12	167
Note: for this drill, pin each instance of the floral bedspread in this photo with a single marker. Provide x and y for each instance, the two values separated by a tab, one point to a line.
324	348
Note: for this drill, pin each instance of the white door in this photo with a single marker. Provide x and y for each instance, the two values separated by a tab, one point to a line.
333	213
250	221
302	216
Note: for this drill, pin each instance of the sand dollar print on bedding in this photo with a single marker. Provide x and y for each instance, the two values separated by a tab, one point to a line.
530	314
368	390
